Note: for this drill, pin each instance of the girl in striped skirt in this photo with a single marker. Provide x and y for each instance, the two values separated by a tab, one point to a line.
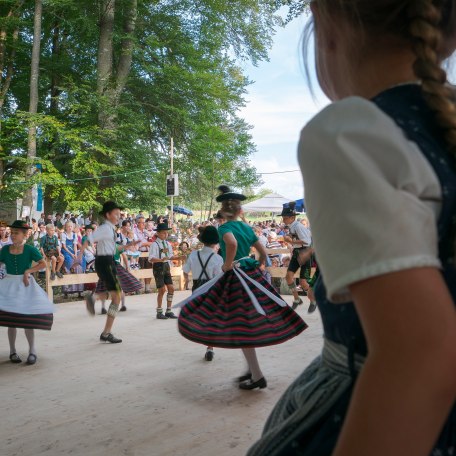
239	308
23	303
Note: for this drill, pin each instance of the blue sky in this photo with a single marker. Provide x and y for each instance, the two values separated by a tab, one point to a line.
279	104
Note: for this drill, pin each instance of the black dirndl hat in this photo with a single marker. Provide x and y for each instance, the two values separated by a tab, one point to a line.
227	194
289	211
20	224
162	227
109	206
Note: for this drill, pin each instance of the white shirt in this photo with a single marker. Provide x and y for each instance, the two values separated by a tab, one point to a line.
161	249
373	199
193	265
299	231
105	236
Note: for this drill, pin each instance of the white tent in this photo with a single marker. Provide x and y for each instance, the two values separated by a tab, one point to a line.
269	203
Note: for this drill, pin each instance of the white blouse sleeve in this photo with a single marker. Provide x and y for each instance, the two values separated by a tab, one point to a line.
372	197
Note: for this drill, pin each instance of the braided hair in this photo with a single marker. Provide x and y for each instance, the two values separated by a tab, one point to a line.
427	26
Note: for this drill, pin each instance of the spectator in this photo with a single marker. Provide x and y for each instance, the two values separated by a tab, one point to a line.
50	249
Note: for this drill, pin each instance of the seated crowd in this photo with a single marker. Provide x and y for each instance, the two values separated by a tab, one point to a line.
60	238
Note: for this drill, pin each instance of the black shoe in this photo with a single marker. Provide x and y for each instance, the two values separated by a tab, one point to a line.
161	316
110	338
123	309
250	384
14	358
31	359
245	377
103	311
59	275
312	308
296	304
90	303
169	314
209	356
52	275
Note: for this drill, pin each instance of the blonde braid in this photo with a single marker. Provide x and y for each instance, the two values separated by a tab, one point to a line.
427	39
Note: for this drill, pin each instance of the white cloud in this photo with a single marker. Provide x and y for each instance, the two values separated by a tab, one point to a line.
286	184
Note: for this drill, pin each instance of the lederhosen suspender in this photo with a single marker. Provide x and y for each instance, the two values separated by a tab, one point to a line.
200	281
204	266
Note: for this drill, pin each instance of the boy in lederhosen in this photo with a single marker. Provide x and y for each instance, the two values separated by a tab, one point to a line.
301	240
204	264
160	255
105	237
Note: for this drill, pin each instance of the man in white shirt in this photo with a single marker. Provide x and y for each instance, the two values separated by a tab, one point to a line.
160	256
145	238
301	240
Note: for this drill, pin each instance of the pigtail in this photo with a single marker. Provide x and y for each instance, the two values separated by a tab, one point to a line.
425	18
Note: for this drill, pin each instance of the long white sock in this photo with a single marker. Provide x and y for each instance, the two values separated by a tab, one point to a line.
122	299
252	361
30	335
12	333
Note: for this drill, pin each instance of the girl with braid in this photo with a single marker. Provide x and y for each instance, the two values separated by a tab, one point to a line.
379	166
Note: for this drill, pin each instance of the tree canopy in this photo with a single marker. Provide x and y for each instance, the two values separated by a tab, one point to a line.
117	80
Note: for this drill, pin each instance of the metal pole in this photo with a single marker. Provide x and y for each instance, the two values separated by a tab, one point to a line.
171	214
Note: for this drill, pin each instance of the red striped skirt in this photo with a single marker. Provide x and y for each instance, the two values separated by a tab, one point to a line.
16	320
128	282
225	317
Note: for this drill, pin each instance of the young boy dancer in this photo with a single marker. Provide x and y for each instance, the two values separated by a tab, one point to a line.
160	255
301	240
105	237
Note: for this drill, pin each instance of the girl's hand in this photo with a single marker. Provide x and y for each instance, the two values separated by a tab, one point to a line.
227	267
26	278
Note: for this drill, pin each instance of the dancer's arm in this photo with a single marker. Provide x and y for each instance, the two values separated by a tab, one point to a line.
408	383
261	251
40	264
231	248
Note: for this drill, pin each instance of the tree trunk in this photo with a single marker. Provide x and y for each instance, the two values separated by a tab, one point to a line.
33	108
104	64
5	82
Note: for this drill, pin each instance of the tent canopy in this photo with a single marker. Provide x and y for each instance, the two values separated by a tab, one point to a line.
269	203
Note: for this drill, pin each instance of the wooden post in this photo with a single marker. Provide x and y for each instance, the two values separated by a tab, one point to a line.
171	214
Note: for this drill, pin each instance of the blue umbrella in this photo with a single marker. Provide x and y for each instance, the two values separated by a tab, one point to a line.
181	210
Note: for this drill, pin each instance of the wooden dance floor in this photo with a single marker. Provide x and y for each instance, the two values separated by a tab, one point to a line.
152	395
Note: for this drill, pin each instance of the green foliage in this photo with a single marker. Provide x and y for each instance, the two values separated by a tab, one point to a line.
184	82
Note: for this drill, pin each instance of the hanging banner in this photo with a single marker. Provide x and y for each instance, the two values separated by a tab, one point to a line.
39	192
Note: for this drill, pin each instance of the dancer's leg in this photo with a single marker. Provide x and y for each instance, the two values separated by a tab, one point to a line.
30	335
12	333
252	361
112	311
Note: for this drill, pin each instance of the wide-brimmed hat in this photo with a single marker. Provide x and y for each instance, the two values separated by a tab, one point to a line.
289	211
209	235
227	194
109	206
162	227
20	224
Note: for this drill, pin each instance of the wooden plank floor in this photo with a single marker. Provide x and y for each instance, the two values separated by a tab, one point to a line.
152	395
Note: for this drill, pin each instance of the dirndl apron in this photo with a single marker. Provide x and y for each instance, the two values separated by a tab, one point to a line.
24	307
